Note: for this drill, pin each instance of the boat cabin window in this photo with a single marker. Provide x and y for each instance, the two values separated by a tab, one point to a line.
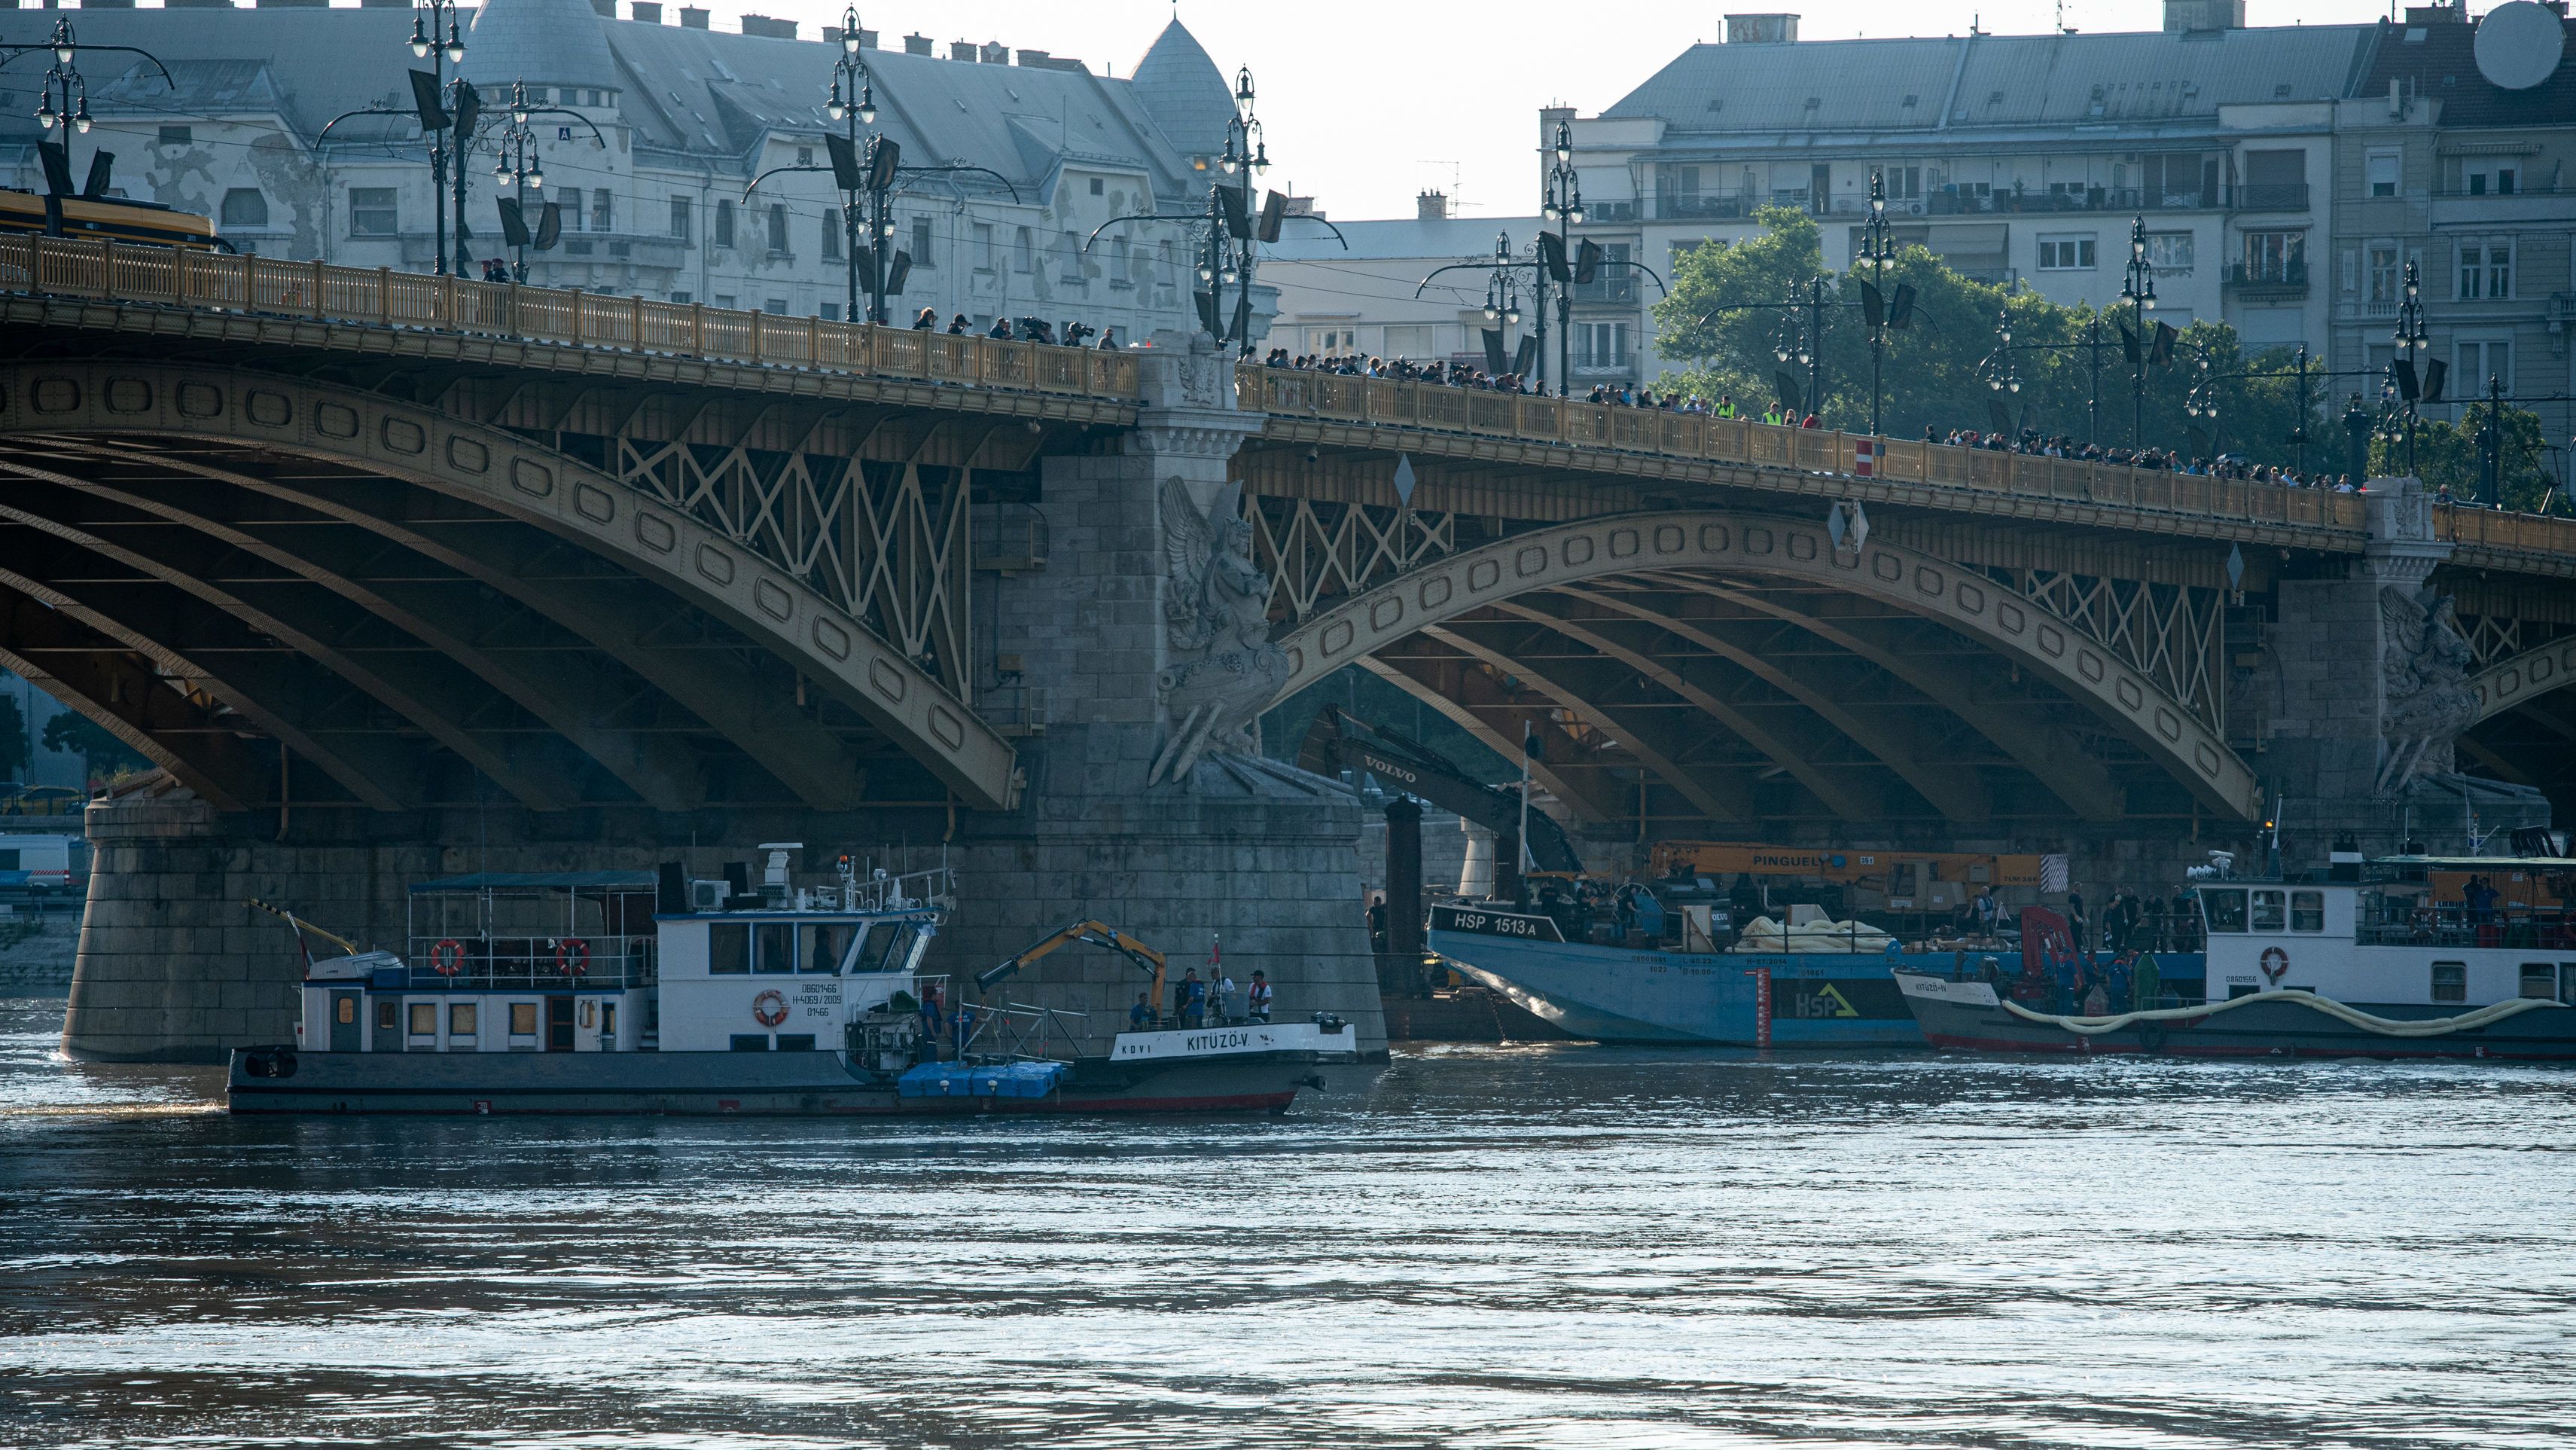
824	944
2268	915
348	1009
460	1019
2223	910
889	954
777	943
2539	979
2450	981
796	1042
523	1019
728	947
750	1042
388	1015
424	1019
2307	911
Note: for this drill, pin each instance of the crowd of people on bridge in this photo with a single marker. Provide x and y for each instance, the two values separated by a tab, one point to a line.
2029	441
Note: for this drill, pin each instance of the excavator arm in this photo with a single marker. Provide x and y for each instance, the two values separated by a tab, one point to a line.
1099	934
301	925
1340	741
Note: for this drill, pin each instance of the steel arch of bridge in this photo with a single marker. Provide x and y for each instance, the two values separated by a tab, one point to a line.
660	540
2164	728
2520	678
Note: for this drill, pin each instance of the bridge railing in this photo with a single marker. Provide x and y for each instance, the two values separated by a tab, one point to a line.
1286	392
108	271
2505	532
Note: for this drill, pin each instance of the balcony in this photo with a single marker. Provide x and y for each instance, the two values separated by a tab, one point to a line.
2268	279
1604	369
1610	211
1692	205
1619	290
2282	196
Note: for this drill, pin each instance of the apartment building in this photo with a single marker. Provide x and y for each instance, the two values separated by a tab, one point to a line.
651	139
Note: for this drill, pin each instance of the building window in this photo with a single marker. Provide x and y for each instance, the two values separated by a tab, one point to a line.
460	1020
684	298
1023	250
922	255
244	207
728	948
778	229
832	236
2486	268
2307	911
603	210
2170	253
1332	341
569	198
424	1019
2497	181
1096	186
2276	256
523	1019
2450	981
724	224
2066	254
1601	346
2479	361
2379	172
775	306
680	217
831	312
371	211
1409	342
984	258
177	136
2384	274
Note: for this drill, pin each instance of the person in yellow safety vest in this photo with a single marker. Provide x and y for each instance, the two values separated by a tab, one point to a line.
1771	415
1726	406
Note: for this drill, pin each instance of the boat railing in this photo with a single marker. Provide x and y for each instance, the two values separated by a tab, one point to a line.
2457	925
904	891
559	963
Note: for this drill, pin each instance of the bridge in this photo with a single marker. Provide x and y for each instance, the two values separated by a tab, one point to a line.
393	574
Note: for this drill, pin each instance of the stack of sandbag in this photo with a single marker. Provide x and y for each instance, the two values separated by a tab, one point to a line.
1762	934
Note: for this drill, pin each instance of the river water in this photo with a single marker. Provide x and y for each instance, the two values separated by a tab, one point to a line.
1514	1246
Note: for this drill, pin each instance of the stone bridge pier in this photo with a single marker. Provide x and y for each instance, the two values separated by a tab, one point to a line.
1136	630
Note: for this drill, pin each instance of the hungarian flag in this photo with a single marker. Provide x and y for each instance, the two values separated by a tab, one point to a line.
1865	457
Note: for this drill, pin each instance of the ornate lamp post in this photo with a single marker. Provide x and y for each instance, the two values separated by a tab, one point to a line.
1561	203
2411	344
518	167
2139	292
1246	155
62	98
854	104
448	143
1877	258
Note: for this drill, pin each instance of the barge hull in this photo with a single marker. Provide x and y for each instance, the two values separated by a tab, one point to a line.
1966	1017
717	1084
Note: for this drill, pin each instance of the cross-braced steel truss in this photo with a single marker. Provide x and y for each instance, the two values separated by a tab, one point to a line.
2168	632
1318	553
885	541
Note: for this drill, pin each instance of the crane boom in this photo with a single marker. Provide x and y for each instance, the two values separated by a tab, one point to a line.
1096	933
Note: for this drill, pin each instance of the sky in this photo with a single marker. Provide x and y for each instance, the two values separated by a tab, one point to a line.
1367	102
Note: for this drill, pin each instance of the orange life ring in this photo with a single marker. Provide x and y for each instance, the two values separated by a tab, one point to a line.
769	1009
2276	964
572	956
446	957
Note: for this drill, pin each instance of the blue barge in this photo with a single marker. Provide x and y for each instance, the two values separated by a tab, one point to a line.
1647	994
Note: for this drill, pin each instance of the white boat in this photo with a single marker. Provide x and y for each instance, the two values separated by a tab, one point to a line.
607	992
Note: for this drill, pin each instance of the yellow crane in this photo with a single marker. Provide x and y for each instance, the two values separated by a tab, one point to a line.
1096	933
302	926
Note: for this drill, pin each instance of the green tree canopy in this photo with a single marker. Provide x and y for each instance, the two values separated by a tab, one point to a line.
1722	326
2453	455
104	754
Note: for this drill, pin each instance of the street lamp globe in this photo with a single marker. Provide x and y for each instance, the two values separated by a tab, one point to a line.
867	106
536	178
419	40
455	46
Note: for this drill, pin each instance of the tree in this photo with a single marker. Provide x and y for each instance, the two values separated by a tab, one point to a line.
13	737
103	754
2454	456
1722	325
